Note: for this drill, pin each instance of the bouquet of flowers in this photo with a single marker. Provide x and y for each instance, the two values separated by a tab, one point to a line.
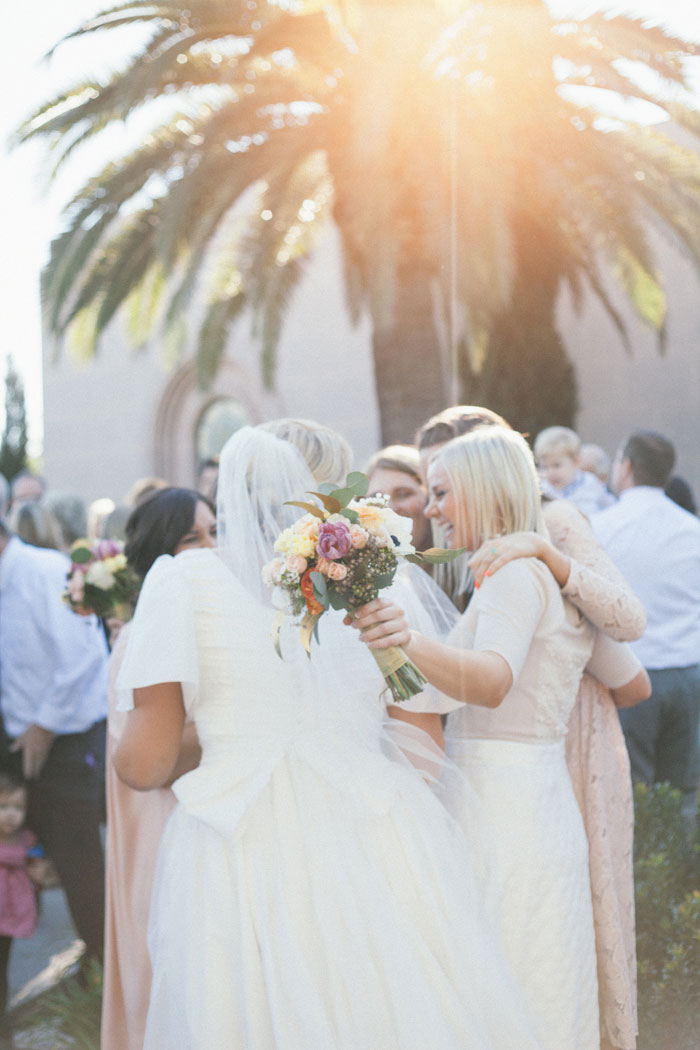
340	555
100	581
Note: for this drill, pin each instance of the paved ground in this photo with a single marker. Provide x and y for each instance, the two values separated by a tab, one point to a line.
31	965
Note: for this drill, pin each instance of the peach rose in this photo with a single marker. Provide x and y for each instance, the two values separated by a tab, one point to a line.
358	537
295	563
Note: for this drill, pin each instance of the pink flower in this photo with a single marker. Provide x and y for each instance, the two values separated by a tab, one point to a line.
107	549
358	537
337	571
324	565
334	539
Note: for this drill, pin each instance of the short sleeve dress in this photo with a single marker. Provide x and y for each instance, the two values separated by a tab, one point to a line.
537	881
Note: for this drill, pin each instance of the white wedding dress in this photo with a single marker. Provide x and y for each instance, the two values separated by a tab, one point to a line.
538	886
312	892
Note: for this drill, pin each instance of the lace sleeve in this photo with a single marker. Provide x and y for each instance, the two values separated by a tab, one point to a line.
595	585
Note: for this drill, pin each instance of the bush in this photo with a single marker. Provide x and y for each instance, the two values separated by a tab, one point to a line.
667	891
67	1016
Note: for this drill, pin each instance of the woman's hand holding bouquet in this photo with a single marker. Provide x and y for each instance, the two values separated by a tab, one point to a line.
340	555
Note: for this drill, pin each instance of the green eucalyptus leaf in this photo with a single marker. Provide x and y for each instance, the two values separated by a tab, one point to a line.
343	496
438	555
359	482
320	588
352	515
336	600
81	555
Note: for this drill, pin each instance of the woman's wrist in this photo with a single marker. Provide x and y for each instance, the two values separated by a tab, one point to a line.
557	563
411	643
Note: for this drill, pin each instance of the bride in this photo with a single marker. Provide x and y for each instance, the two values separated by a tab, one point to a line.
311	890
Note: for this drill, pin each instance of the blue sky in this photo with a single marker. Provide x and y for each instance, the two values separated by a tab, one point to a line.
32	208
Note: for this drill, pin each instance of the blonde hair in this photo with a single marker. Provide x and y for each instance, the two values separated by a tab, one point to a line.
404	458
493	477
557	439
327	454
35	524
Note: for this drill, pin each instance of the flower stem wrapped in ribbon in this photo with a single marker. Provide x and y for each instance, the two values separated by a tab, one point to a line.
340	555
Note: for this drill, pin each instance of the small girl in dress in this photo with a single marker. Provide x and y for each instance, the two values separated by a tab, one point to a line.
19	874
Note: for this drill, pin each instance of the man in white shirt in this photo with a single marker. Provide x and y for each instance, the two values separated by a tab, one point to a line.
656	545
53	702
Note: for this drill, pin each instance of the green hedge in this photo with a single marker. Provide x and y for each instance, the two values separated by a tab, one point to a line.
667	890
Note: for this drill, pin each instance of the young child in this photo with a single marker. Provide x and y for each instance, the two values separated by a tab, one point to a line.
557	451
20	873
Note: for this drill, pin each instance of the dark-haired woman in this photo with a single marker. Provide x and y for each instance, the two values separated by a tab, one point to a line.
168	522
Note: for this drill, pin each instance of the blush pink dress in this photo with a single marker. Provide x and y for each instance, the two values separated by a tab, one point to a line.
19	912
135	822
600	772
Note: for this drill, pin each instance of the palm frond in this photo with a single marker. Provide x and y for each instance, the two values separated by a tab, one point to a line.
213	336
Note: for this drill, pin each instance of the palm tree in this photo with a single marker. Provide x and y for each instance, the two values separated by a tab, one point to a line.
469	155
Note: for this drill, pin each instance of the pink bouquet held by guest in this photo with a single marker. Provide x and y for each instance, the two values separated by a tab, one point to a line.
100	581
341	555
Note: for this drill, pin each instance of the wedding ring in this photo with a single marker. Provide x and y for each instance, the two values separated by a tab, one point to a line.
494	551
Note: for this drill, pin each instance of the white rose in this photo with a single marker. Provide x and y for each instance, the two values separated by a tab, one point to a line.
99	576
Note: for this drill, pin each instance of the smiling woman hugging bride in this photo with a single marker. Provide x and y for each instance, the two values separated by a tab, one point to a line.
514	661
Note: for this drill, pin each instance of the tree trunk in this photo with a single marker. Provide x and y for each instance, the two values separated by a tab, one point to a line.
527	376
407	364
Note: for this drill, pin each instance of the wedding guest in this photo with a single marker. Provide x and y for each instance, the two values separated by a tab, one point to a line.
451	423
26	487
35	524
656	545
98	512
311	890
143	488
681	493
53	698
596	754
595	460
515	661
455	578
71	514
114	525
20	876
169	521
207	477
396	472
557	451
